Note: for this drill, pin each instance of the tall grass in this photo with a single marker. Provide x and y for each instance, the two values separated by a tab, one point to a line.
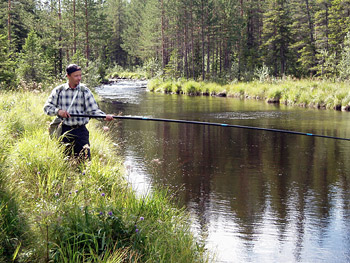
52	209
306	93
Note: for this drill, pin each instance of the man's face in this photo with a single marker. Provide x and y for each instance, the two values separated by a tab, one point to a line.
74	78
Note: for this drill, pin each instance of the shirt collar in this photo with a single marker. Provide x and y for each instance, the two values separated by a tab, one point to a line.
67	87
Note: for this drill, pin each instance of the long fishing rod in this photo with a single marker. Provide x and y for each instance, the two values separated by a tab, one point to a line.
210	124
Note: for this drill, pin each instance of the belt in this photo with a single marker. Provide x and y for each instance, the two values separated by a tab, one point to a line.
73	126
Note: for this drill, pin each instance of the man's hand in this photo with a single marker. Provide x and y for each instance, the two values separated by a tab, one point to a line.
63	114
109	117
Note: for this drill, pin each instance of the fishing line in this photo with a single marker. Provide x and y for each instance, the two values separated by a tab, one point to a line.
212	124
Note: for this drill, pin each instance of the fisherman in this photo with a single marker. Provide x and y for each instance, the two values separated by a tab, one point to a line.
74	97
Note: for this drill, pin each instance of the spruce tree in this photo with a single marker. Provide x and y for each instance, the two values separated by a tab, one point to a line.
150	32
7	65
344	64
132	32
32	66
277	37
115	24
304	41
338	25
20	14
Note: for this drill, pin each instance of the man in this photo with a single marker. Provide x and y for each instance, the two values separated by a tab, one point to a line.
74	98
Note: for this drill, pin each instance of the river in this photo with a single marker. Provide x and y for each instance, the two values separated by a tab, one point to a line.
252	196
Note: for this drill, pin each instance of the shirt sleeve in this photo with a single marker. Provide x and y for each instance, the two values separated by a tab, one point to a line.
91	104
51	106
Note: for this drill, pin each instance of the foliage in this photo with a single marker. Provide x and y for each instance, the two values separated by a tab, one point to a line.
221	41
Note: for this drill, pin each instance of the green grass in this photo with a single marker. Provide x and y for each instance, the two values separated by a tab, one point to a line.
52	209
305	93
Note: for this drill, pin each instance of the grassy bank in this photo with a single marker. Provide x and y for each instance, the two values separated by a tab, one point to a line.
305	93
51	210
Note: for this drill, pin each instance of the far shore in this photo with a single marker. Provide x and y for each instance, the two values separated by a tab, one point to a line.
303	93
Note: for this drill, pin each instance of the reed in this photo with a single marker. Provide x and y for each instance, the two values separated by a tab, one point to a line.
52	209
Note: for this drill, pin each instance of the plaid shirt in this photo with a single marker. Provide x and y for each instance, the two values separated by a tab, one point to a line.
84	103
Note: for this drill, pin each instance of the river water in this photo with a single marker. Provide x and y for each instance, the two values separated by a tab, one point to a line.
253	196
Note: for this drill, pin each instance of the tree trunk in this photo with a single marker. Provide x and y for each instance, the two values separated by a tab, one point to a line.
203	43
311	26
9	22
220	56
60	52
164	60
74	30
327	29
192	42
208	53
239	50
283	59
186	44
87	48
216	57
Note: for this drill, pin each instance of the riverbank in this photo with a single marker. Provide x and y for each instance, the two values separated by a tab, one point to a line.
51	209
304	93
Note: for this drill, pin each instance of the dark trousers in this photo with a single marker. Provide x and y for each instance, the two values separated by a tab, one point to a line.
77	140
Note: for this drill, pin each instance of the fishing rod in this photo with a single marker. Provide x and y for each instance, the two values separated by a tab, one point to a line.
210	124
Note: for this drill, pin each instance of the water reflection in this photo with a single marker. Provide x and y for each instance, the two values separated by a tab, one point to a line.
253	196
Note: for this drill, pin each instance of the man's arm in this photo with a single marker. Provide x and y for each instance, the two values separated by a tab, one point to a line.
92	106
51	106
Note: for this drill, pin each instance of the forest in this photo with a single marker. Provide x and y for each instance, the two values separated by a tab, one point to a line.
216	40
